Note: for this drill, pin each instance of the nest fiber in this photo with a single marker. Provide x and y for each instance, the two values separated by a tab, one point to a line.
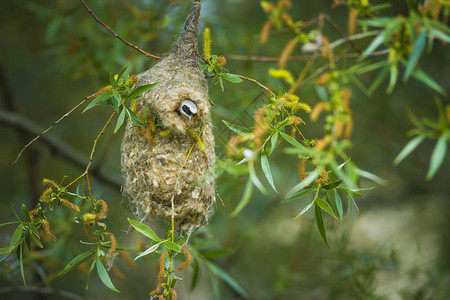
155	162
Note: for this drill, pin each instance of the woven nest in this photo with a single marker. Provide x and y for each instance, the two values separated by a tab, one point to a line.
153	155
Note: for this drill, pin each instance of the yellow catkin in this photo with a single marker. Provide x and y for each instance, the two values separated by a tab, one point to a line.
317	110
104	209
221	61
323	177
187	261
301	169
267	6
102	90
88	232
322	143
160	274
265	31
46	195
32	213
282	73
295	120
287	52
285	3
345	96
302	106
352	16
207	43
70	205
112	251
174	295
128	260
46	226
260	126
50	183
289	100
365	3
339	128
323	79
348	128
232	143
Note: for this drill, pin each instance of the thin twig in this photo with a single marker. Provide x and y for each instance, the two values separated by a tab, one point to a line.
60	147
266	89
115	34
51	126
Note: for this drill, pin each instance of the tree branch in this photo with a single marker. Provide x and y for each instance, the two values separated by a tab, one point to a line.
61	148
115	34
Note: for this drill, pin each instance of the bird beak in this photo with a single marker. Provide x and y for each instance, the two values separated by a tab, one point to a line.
190	118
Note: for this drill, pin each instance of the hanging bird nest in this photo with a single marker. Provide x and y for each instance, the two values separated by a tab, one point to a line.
168	163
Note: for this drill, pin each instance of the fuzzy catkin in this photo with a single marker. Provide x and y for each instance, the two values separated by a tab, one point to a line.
151	165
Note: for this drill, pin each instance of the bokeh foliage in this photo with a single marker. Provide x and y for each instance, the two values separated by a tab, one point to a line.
53	55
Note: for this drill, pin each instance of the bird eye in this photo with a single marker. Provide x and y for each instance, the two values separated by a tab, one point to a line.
188	108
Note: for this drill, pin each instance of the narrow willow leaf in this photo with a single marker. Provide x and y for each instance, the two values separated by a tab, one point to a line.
352	201
148	251
236	128
254	177
273	142
440	35
320	224
245	198
104	276
266	169
393	77
370	176
380	39
25	213
172	246
339	206
325	207
410	147
216	270
379	79
300	194
79	259
120	120
16	237
9	223
89	273
291	140
116	100
332	185
144	229
419	47
231	77
132	116
99	99
427	80
28	238
20	257
305	209
438	156
304	183
120	75
138	91
36	241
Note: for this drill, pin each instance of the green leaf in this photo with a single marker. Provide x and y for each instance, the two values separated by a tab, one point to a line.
231	77
172	246
410	147
99	99
379	79
338	200
419	47
307	207
304	183
144	229
266	169
437	34
320	224
393	77
325	207
149	250
36	241
245	198
238	129
332	185
300	194
120	120
28	238
20	257
16	237
116	100
221	83
291	140
273	142
438	156
120	75
104	276
370	176
89	273
75	262
216	270
254	177
132	116
427	80
25	213
138	91
9	223
381	38
4	250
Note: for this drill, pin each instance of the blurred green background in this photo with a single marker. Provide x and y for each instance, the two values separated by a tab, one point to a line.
53	54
